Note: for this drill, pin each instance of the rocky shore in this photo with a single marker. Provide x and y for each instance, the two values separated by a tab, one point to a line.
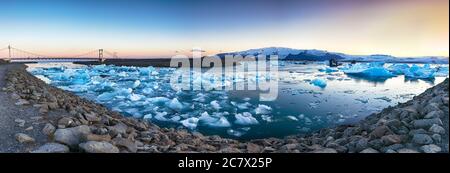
419	125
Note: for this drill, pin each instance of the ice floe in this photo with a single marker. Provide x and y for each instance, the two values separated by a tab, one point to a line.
319	82
263	109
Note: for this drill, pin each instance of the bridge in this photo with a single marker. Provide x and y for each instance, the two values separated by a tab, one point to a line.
12	54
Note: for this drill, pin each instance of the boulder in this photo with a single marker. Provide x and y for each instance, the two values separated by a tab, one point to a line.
391	139
437	129
72	136
406	150
369	150
98	147
431	148
48	129
422	139
52	148
23	138
426	123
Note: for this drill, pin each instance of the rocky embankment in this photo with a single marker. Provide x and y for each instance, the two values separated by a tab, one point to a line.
419	125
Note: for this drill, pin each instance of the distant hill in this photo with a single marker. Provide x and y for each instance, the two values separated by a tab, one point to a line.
322	55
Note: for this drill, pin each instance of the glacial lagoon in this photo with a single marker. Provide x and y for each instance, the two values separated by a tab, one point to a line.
311	96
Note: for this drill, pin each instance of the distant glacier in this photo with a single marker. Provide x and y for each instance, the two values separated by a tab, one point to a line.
322	55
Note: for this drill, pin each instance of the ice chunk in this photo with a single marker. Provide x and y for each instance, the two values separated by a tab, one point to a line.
215	104
267	118
106	96
245	118
441	71
319	82
135	97
372	70
398	69
308	121
175	118
236	133
158	100
190	123
292	118
175	104
147	116
263	109
245	105
418	72
161	116
214	121
136	83
147	91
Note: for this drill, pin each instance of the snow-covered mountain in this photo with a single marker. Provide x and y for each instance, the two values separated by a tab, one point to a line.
322	55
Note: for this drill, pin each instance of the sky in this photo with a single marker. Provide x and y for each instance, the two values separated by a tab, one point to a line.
165	28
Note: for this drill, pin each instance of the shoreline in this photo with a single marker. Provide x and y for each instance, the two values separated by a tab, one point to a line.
418	125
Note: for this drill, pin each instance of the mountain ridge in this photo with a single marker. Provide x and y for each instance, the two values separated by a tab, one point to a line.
285	53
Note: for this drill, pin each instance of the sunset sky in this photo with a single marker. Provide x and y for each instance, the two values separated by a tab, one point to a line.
162	28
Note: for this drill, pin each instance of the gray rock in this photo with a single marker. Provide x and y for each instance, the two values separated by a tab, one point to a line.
72	136
92	117
129	145
426	123
437	138
394	147
20	122
119	128
390	151
376	143
431	148
434	114
361	144
23	138
437	129
52	148
48	129
380	131
21	102
422	139
65	122
325	150
369	150
417	131
391	139
407	150
98	147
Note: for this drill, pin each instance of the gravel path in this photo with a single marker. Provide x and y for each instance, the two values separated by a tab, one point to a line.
9	113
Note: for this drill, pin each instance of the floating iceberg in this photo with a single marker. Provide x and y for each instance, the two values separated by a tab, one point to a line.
215	104
175	104
190	123
263	109
441	71
319	82
328	70
136	97
245	118
371	70
418	72
214	121
292	118
398	69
